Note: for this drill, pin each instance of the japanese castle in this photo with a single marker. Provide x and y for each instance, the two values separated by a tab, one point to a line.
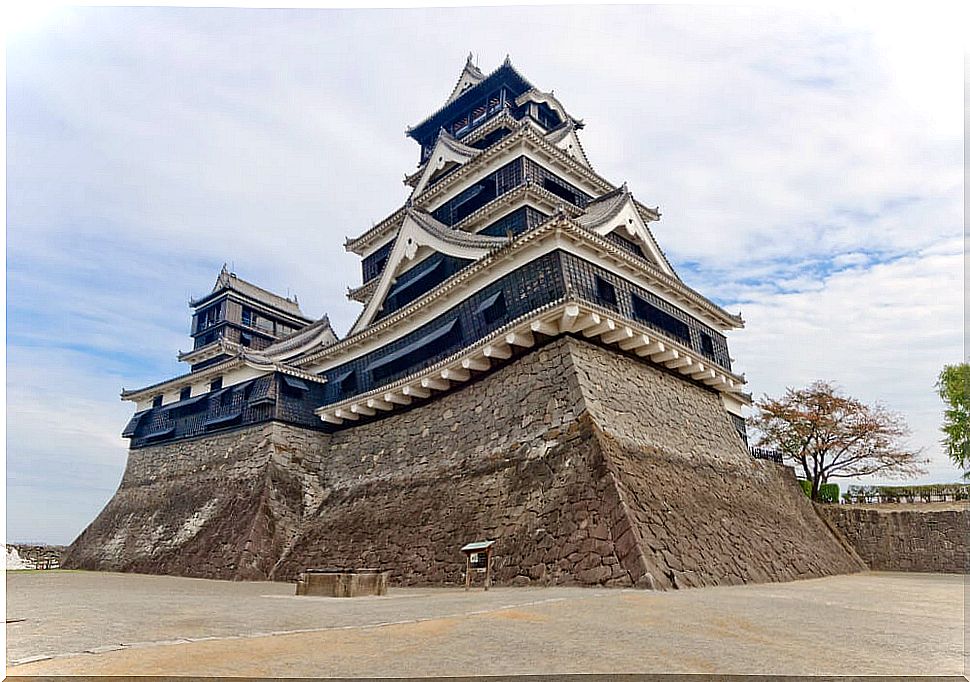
508	239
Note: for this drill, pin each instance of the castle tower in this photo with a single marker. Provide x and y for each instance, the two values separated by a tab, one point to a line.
527	367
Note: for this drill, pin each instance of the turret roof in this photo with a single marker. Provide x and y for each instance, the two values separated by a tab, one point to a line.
229	281
504	72
470	76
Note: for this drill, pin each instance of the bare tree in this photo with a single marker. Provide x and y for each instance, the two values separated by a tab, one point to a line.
830	435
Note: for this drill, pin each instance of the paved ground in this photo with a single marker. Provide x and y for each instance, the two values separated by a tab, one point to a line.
873	623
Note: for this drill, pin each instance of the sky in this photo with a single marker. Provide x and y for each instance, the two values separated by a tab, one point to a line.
808	165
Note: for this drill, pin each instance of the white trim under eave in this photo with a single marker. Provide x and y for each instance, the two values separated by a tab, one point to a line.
561	317
629	220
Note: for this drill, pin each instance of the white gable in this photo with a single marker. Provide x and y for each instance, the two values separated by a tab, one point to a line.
414	239
570	144
445	153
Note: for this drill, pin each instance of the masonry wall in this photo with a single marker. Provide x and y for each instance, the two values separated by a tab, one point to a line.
933	541
224	506
586	465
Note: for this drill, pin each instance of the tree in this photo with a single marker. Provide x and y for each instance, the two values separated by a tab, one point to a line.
831	435
953	387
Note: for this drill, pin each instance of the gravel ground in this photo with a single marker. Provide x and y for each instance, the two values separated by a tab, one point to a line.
121	624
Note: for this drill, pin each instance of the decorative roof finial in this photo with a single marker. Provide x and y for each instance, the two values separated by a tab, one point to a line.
469	61
624	188
508	60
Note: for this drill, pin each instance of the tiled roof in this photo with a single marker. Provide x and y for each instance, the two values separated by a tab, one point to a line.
470	76
320	329
604	207
451	236
505	66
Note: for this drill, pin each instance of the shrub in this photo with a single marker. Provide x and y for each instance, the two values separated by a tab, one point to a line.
828	492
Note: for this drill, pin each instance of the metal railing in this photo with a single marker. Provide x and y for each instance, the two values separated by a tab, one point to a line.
766	453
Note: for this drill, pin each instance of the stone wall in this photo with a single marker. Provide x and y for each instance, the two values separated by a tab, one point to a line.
224	506
931	541
586	465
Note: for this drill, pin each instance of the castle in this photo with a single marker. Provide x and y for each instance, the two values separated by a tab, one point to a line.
528	367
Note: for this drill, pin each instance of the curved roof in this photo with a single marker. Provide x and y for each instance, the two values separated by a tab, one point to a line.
505	73
229	281
470	76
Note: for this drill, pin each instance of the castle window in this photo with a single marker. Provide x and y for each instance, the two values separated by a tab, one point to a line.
493	308
293	387
185	393
157	401
605	292
647	312
417	353
560	191
208	317
216	384
346	382
707	345
246	339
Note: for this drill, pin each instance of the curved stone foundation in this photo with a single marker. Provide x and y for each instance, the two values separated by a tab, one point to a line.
586	465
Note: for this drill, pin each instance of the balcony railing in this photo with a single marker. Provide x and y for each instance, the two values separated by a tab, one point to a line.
766	453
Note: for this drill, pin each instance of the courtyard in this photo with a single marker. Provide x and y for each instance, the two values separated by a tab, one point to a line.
87	623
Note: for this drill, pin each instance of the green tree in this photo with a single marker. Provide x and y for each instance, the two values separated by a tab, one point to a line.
953	387
831	435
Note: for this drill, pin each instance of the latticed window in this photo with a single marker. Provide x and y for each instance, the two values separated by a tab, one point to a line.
605	292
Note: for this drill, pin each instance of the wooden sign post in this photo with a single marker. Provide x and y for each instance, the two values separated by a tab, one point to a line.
478	557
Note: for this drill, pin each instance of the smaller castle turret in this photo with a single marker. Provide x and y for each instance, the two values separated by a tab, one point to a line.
236	315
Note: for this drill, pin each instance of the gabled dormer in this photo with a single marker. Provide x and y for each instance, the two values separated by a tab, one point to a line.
425	253
447	155
565	138
545	109
617	216
470	76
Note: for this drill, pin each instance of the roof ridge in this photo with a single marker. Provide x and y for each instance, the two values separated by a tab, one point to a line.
507	64
471	70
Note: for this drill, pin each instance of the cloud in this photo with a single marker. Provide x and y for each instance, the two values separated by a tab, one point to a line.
882	333
808	165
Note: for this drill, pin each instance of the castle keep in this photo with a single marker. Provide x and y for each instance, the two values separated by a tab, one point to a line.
527	367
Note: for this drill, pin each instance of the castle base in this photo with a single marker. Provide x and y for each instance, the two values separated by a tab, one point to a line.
585	465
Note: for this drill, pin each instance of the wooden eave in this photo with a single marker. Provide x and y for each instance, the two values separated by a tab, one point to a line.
564	315
255	361
363	293
182	380
217	347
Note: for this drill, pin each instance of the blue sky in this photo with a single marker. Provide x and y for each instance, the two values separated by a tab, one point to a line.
808	165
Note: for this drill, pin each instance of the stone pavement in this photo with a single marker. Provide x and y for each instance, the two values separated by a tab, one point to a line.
117	624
